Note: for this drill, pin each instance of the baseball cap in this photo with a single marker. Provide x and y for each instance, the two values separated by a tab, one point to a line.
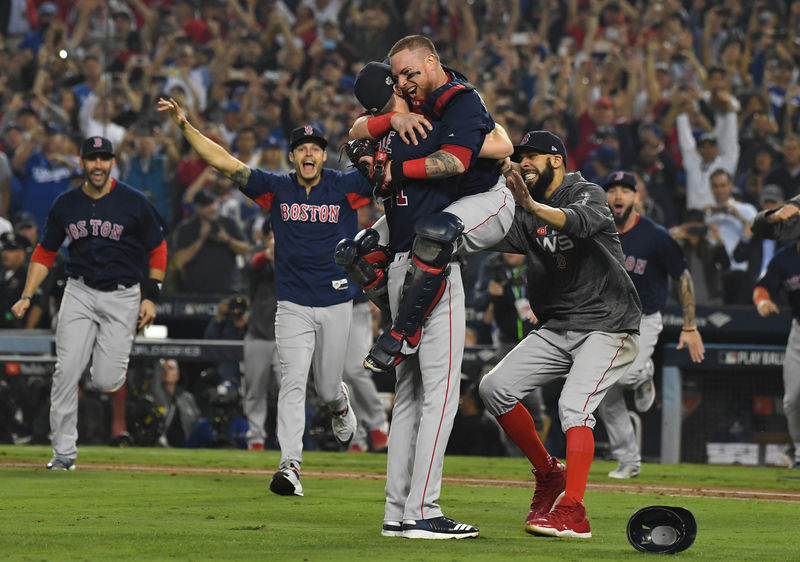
24	219
96	145
232	106
770	192
203	198
13	241
605	154
272	142
707	138
47	8
304	134
620	177
541	142
373	87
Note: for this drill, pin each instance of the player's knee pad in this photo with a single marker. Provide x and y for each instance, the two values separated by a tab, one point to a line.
435	236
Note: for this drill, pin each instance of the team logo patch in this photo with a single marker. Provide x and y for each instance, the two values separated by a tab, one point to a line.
618	175
541	231
98	142
308	130
526	138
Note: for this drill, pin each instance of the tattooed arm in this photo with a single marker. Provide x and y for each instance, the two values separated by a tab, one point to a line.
442	164
208	150
690	337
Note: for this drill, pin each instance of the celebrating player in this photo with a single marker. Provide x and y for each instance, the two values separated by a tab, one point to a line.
651	256
111	226
311	209
482	214
590	322
783	223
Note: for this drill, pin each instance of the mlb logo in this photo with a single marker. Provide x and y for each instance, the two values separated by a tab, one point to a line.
541	231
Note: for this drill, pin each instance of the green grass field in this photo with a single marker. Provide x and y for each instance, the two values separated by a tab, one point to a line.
126	513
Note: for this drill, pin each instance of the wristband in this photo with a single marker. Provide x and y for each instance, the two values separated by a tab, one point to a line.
412	169
688	329
379	125
151	289
25	298
759	299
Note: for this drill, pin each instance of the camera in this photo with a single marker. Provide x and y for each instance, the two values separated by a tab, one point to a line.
697	230
237	306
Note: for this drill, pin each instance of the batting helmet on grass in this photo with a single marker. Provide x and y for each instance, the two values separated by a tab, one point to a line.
662	529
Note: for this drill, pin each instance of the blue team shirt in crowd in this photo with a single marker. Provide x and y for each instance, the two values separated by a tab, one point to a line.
783	272
415	198
650	254
42	182
307	229
108	237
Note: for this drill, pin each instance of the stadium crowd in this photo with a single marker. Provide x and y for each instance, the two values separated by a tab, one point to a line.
698	99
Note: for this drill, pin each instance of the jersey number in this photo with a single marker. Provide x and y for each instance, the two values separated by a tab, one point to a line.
401	199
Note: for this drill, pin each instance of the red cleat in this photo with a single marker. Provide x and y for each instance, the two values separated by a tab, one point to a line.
549	489
566	520
256	446
380	440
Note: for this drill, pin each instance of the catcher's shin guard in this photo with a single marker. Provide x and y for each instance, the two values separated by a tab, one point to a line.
365	263
422	288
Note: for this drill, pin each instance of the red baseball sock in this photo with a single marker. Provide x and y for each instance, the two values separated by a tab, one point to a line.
518	424
580	452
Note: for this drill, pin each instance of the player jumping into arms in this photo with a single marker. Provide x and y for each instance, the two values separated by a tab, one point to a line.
111	227
783	271
590	316
311	209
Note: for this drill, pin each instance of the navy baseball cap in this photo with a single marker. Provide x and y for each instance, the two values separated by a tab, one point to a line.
24	219
374	86
541	142
306	133
13	241
620	177
203	198
96	145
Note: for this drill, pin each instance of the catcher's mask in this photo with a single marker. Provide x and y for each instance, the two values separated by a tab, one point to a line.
662	529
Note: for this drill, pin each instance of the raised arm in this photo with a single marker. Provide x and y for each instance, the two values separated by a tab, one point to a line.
208	150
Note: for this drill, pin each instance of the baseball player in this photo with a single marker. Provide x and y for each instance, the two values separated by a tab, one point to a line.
590	321
111	228
311	209
483	207
783	271
427	384
651	257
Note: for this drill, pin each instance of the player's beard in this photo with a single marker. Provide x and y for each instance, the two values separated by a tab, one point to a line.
90	178
542	182
623	218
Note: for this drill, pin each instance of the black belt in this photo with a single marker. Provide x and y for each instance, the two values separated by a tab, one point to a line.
106	286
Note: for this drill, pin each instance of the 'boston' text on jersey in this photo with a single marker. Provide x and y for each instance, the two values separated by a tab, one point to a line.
98	227
309	213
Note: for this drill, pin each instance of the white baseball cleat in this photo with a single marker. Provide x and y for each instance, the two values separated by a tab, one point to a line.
625	471
392	529
286	482
644	395
344	423
61	464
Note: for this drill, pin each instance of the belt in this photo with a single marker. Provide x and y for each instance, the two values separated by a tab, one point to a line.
104	286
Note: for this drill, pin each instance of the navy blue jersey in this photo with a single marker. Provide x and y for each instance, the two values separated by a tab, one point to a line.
416	198
465	121
650	255
108	237
783	272
307	229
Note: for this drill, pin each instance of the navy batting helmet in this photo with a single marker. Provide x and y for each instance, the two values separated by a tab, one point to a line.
662	529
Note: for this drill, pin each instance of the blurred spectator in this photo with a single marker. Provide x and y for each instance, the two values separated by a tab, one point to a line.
733	221
787	173
659	173
229	323
5	186
711	151
205	249
706	257
751	181
149	162
46	172
12	280
181	412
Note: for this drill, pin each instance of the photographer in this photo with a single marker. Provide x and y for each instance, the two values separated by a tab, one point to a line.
206	246
706	257
229	323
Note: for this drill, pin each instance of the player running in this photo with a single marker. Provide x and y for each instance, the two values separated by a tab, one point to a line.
590	321
651	257
311	209
111	227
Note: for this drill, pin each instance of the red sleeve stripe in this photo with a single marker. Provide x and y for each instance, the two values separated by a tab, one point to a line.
461	152
357	200
379	125
158	256
265	200
415	169
44	257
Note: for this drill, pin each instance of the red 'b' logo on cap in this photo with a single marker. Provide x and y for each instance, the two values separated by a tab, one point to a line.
526	138
618	176
98	142
308	130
